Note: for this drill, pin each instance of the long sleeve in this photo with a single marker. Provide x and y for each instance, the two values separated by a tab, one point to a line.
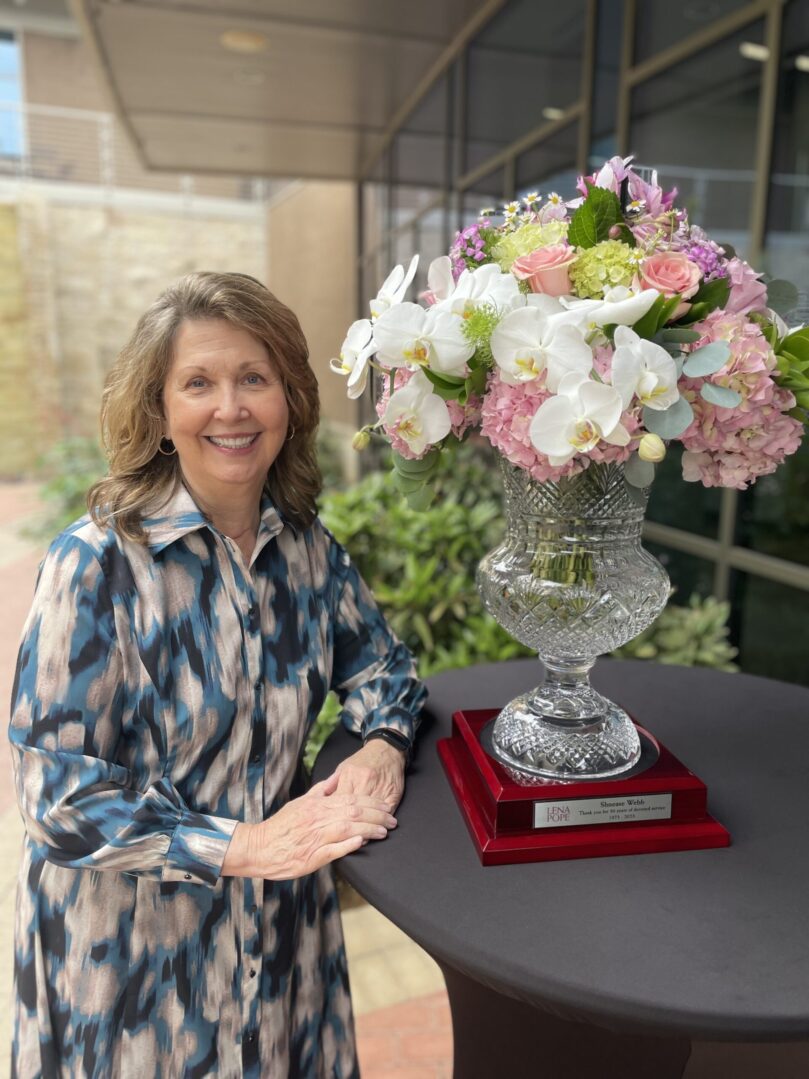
373	674
81	806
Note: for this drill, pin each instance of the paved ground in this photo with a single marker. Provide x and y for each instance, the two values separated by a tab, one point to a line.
403	1018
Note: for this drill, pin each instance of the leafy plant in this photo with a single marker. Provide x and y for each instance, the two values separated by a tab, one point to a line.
69	468
691	636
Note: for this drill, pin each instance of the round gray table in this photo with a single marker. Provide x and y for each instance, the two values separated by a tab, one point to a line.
615	966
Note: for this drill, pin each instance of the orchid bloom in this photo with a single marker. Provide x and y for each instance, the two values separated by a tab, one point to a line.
582	414
417	415
407	335
644	370
485	285
355	353
527	343
393	288
620	307
440	282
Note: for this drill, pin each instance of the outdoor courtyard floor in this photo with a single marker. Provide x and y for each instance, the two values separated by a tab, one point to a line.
403	1020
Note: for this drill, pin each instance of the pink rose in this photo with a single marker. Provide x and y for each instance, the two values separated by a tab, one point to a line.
546	269
671	273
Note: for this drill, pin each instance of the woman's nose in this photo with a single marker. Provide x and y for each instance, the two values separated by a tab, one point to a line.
229	405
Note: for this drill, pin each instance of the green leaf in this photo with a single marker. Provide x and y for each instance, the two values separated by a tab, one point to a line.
422	464
408	485
782	296
421	499
796	343
639	473
729	249
670	422
648	325
681	334
592	221
720	395
707	360
446	386
715	293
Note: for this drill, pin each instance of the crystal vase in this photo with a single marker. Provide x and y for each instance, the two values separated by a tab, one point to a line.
571	581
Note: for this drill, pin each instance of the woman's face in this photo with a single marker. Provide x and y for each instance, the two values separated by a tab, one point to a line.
225	410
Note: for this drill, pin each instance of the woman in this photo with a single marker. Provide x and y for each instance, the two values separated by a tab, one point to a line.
175	916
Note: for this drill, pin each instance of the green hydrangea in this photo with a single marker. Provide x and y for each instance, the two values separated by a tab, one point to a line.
478	327
602	267
526	239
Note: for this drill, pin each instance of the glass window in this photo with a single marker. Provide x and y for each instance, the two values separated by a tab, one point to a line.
374	213
656	30
688	506
689	575
431	243
608	46
773	514
696	124
488	191
768	626
10	97
787	240
550	166
420	155
521	70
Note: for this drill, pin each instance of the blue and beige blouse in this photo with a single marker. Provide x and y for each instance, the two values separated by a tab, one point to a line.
163	694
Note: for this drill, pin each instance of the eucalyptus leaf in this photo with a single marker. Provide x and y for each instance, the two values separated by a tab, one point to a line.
639	473
408	485
681	334
670	422
421	499
720	395
422	464
729	249
782	296
707	360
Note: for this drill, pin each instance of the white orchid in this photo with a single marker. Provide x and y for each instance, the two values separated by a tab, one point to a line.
393	288
644	370
440	282
417	415
619	307
582	414
355	353
527	343
407	335
485	285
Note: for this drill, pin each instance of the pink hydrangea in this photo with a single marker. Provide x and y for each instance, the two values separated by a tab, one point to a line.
506	419
462	417
732	447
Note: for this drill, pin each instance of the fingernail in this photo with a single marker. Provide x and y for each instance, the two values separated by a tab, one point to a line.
392	822
381	832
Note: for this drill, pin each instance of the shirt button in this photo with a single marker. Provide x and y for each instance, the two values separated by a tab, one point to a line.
256	758
187	876
259	684
254	909
251	1036
252	974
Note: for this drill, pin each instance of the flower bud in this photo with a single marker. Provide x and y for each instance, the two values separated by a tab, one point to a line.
615	232
360	440
651	448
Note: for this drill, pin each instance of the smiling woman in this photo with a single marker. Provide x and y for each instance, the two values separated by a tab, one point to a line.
176	910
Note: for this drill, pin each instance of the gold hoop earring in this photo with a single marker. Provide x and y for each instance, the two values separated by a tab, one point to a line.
166	453
290	437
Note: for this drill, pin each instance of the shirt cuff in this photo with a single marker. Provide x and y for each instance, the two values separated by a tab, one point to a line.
198	849
391	719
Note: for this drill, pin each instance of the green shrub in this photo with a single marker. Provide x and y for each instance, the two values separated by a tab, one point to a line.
692	636
68	470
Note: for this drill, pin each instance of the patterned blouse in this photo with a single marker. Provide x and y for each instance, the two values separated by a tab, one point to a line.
164	693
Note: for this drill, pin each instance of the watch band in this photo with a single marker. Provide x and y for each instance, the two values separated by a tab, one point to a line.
393	738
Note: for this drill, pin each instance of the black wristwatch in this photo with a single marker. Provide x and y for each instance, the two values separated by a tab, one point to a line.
393	738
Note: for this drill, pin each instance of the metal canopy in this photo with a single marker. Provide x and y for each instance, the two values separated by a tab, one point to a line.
313	100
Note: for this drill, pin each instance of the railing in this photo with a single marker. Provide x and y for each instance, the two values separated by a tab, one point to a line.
87	147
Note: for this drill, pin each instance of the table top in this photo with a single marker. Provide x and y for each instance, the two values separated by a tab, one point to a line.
712	944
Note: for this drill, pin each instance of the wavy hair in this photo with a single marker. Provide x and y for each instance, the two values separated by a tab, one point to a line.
132	418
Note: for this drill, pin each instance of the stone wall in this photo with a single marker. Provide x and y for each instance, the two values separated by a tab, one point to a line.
74	278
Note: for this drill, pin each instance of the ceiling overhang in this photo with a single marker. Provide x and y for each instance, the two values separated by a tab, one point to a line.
314	99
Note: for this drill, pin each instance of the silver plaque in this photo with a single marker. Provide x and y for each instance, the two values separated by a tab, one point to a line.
602	810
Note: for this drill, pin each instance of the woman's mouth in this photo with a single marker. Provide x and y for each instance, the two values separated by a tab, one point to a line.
232	444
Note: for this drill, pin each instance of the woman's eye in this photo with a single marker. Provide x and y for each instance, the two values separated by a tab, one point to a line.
196	383
254	379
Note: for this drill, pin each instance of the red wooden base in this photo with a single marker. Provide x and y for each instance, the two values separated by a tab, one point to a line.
500	813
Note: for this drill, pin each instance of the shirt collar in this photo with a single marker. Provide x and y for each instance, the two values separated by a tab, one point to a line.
178	515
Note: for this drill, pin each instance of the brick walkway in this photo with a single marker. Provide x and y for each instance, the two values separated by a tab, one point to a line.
409	1039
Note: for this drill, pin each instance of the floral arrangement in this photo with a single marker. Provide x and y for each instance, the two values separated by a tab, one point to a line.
592	330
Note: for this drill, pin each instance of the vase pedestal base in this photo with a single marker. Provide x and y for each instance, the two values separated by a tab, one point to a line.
658	806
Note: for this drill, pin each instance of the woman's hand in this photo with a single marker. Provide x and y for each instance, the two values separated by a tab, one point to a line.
377	771
308	832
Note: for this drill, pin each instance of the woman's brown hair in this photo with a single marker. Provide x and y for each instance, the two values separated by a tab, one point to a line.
132	420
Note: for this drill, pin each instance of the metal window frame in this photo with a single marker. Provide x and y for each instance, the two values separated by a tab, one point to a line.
721	550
